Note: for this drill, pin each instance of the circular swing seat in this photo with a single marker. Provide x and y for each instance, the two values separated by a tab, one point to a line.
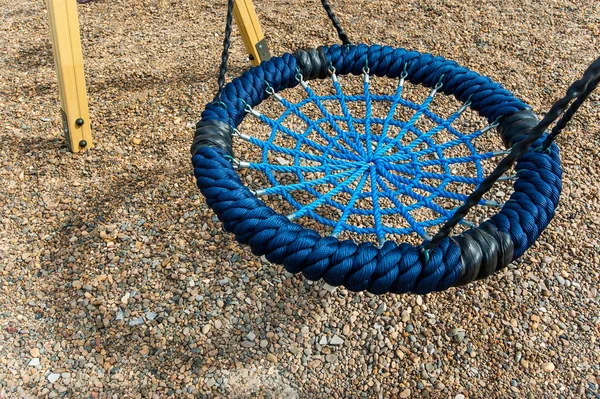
373	163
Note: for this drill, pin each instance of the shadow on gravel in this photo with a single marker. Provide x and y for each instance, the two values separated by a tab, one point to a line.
97	319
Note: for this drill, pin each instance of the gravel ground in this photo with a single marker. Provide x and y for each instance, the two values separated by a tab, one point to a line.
117	281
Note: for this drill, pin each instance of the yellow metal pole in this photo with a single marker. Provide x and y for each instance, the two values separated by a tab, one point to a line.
68	61
252	35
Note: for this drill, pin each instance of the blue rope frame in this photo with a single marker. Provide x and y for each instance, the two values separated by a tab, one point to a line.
391	268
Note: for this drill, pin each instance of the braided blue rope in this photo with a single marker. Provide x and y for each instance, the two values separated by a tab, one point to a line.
390	268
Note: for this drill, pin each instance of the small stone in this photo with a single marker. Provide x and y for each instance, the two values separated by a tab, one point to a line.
53	377
548	367
151	315
218	324
346	329
34	362
247	344
251	336
272	358
136	322
459	396
405	316
282	161
336	341
458	334
264	343
323	340
136	140
381	308
34	352
206	329
405	394
125	298
330	358
329	288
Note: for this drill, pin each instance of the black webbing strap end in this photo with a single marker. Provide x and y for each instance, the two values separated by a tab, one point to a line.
484	250
312	63
213	133
515	127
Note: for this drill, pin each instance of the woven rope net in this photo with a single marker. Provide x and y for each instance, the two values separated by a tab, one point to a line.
367	158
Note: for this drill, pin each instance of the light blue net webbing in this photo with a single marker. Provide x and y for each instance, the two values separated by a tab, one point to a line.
367	158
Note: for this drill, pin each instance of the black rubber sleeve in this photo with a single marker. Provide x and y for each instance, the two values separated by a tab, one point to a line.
312	63
213	133
515	127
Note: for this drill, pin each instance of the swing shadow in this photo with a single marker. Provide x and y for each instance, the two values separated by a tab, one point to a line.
68	262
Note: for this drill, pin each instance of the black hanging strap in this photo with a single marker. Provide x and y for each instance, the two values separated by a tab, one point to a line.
225	53
578	91
336	23
227	40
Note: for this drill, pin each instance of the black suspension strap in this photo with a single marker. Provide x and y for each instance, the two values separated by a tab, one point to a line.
225	53
336	23
578	91
560	125
227	40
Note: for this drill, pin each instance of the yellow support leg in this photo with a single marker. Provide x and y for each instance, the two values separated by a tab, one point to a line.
252	35
68	60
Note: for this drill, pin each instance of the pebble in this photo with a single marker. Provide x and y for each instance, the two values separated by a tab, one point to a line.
34	362
458	334
151	315
34	352
272	358
53	377
405	394
136	322
329	288
206	329
405	316
218	324
335	340
548	367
